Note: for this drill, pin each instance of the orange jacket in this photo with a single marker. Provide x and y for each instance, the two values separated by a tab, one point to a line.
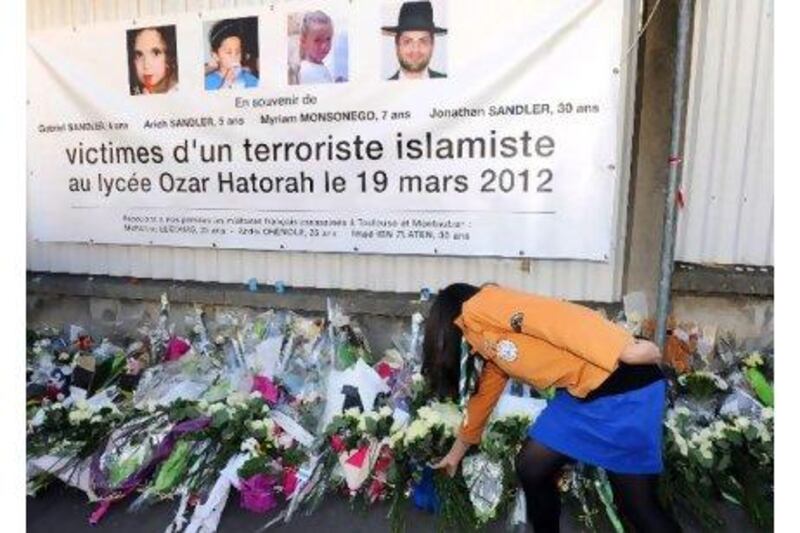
542	341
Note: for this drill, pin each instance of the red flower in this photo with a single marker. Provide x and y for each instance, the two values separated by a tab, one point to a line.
337	443
376	490
385	371
289	481
53	391
84	343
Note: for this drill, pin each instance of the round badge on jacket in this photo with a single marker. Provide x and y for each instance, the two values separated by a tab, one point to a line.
507	351
516	321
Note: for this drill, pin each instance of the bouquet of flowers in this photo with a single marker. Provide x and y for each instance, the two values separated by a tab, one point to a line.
730	456
61	436
489	474
425	440
361	446
270	470
198	465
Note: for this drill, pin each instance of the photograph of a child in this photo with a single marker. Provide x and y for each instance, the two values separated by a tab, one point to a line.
152	60
317	48
231	54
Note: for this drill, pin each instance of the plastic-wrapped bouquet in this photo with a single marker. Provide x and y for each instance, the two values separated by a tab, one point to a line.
61	437
426	439
360	442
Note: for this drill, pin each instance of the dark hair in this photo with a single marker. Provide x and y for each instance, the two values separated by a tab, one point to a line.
399	33
441	347
223	29
167	34
246	29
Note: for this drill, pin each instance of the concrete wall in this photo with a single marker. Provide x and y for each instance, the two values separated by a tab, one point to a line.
651	150
116	308
746	317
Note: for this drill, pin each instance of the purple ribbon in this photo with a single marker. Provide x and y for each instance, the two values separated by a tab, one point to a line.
100	480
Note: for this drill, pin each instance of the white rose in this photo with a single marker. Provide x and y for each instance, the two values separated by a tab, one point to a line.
250	446
38	418
683	446
706	453
235	399
395	438
353	412
77	416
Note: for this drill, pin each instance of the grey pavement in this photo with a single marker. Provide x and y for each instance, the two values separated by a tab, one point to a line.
63	509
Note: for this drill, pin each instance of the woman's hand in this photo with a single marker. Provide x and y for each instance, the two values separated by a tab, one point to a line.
451	461
641	352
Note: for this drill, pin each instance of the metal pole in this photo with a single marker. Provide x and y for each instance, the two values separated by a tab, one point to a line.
675	169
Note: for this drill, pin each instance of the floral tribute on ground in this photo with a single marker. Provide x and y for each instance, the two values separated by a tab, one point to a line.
284	410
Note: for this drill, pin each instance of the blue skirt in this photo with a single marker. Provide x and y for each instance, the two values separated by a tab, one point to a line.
621	433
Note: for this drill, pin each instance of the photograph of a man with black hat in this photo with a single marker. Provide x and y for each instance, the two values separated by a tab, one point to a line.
414	41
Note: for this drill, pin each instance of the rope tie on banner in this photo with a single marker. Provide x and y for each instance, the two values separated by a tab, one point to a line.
675	160
639	35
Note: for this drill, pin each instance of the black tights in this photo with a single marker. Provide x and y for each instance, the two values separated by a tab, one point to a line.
636	495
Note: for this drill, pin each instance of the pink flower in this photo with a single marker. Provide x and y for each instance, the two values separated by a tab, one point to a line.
267	388
258	494
176	348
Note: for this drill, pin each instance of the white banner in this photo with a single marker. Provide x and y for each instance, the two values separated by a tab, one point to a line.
454	128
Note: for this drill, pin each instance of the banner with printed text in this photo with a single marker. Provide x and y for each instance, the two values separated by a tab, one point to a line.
444	127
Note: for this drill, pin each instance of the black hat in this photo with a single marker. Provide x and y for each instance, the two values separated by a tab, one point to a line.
415	16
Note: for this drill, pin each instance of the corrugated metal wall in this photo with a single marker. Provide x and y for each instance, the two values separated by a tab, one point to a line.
728	174
575	280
